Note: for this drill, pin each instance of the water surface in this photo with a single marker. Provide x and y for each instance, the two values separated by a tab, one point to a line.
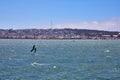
60	60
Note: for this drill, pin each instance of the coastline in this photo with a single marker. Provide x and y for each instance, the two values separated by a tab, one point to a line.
80	34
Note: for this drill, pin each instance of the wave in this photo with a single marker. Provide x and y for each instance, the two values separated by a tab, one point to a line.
38	64
107	51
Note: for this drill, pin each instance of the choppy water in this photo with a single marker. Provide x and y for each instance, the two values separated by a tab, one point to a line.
60	60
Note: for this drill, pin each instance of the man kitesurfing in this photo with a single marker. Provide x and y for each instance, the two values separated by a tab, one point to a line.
33	49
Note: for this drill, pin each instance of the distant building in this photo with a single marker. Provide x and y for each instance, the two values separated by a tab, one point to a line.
57	34
118	36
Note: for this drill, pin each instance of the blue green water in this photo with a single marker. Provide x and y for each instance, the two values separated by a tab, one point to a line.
60	60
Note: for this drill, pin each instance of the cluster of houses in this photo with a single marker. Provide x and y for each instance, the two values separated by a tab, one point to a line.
57	34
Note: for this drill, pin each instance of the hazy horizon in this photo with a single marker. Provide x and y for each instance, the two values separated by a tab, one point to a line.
74	14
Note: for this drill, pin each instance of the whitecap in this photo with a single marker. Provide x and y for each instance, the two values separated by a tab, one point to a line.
38	64
54	67
107	51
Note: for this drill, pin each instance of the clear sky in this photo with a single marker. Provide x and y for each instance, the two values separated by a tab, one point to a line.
82	14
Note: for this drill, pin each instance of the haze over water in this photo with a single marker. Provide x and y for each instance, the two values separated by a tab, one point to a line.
60	60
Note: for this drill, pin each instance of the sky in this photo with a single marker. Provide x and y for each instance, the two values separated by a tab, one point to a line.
75	14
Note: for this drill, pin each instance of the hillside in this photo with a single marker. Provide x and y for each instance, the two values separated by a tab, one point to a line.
57	34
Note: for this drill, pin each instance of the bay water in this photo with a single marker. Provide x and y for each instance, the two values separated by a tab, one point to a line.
59	59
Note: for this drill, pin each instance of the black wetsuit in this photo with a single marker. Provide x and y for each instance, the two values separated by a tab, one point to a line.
33	49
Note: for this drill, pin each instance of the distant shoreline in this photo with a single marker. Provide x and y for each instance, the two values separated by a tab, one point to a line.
63	39
59	34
